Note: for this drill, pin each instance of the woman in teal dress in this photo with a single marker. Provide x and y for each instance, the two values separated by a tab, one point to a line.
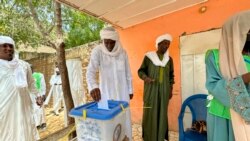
218	126
228	78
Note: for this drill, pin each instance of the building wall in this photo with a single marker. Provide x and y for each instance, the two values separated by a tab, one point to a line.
45	63
139	39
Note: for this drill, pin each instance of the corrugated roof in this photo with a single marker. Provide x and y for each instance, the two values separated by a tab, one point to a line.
127	13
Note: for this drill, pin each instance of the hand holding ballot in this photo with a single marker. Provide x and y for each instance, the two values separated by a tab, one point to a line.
96	94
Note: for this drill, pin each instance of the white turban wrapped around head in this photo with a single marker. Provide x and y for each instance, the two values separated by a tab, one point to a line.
109	33
6	40
161	38
112	34
56	69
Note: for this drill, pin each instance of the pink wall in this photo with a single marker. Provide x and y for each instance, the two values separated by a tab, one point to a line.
139	39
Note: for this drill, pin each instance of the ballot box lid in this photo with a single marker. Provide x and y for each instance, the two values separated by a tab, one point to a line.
92	111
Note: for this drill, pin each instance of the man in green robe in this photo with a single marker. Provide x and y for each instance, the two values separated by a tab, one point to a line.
157	72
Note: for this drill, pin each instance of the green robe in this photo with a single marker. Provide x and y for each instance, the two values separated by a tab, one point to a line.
38	78
156	98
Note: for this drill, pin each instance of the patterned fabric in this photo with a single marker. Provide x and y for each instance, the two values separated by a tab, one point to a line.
239	98
233	39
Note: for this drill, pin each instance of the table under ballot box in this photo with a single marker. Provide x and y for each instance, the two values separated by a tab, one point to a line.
93	124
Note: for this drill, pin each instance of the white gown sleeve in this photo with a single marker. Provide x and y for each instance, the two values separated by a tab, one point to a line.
128	75
31	82
92	69
51	82
43	85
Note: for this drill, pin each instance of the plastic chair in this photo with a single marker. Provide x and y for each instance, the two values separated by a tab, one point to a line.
197	105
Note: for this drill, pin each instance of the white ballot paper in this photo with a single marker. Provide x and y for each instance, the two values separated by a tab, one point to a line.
103	103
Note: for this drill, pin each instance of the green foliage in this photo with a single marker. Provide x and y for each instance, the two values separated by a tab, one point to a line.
17	21
81	28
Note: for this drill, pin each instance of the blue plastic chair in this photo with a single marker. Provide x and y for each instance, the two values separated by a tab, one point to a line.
197	105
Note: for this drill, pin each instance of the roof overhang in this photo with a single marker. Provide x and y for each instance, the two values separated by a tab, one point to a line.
127	13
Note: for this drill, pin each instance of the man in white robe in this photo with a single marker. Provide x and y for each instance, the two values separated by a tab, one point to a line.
57	92
56	86
16	120
39	111
111	61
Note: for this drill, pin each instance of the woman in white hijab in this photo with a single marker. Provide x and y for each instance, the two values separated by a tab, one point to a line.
228	80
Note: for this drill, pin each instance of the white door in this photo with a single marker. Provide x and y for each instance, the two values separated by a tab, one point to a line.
193	70
74	67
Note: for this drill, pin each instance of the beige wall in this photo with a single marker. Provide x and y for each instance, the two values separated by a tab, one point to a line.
139	39
45	63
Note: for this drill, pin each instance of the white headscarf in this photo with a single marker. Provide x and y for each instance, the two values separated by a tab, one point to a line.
161	38
153	55
111	33
56	69
6	40
20	77
234	34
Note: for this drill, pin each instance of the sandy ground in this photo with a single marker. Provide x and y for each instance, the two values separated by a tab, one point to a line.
55	123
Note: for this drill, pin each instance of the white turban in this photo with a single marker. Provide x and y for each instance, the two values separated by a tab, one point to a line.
109	33
56	69
161	38
6	40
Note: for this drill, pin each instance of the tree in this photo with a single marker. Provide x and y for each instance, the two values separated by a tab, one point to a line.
83	26
47	22
17	20
12	19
